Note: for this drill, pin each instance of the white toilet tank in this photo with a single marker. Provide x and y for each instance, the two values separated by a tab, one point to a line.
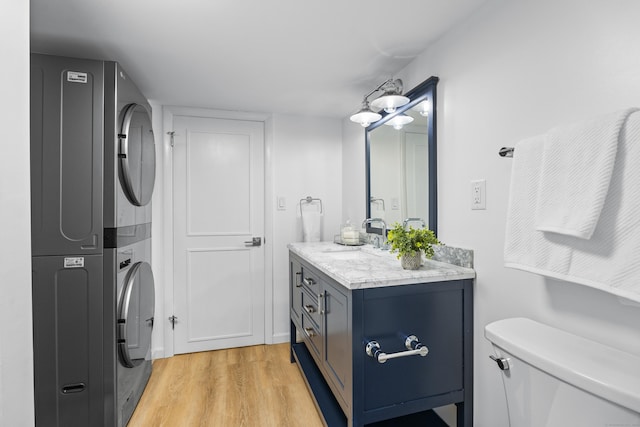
556	379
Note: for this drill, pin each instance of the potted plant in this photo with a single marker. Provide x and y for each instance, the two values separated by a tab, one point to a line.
410	244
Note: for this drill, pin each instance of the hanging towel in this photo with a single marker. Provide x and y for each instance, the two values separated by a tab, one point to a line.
311	222
610	260
577	165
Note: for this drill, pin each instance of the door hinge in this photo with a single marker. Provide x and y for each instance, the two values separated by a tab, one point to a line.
173	320
171	134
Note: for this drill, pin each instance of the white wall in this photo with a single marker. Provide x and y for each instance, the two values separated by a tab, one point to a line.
306	160
514	70
353	172
16	349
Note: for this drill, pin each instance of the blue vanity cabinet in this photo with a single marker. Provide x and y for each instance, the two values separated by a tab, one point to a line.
353	389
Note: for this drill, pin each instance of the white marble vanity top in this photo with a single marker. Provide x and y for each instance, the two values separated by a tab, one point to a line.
361	267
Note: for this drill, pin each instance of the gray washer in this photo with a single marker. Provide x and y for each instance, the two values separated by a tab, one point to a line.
134	302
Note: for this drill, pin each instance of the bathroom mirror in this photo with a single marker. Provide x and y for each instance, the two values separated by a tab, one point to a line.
401	166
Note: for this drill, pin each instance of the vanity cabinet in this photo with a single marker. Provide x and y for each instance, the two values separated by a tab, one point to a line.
332	326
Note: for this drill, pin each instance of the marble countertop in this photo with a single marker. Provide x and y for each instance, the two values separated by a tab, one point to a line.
361	267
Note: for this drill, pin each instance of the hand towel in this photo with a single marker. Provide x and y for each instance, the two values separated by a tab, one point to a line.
577	165
610	260
524	246
311	222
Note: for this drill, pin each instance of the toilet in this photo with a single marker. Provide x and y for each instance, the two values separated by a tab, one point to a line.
553	378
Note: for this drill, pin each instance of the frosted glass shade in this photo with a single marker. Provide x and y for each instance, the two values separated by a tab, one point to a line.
398	121
389	103
365	117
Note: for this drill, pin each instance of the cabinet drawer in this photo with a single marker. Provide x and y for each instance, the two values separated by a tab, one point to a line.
311	336
310	307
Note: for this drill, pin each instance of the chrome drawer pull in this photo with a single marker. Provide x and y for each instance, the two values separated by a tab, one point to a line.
310	332
309	309
309	281
414	348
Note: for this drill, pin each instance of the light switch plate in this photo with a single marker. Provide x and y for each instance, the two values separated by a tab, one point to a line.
282	203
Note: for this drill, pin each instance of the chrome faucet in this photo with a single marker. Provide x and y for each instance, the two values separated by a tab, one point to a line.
408	220
378	242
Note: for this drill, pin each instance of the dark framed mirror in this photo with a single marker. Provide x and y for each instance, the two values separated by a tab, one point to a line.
401	163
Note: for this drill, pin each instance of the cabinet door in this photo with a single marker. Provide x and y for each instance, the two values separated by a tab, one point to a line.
336	338
435	317
295	290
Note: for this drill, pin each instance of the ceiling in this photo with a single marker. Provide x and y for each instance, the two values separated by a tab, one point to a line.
316	58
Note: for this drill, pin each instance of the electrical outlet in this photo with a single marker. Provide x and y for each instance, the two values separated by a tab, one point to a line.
479	194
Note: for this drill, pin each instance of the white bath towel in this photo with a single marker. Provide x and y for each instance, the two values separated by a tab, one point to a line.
311	222
610	260
577	165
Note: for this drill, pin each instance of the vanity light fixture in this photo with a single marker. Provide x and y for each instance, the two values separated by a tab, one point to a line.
398	121
390	99
365	116
422	108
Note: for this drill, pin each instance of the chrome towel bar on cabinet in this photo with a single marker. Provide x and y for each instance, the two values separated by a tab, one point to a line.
412	343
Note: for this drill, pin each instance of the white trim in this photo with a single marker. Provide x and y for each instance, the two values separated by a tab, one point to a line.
169	114
269	205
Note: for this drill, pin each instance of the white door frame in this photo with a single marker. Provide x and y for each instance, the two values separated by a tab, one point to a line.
169	113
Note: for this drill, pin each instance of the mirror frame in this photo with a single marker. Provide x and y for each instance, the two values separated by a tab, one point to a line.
425	90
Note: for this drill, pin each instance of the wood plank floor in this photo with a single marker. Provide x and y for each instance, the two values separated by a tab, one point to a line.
249	386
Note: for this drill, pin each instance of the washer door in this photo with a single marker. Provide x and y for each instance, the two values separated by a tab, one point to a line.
137	154
135	315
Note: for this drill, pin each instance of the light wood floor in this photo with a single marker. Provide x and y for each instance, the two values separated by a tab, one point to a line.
249	386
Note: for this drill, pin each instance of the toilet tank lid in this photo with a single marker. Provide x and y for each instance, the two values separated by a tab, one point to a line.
601	370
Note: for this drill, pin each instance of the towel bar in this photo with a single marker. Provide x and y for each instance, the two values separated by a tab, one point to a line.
412	343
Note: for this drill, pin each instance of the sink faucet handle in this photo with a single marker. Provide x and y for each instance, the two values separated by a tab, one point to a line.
408	220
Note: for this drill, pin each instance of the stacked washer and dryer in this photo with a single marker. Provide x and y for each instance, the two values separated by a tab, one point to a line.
93	171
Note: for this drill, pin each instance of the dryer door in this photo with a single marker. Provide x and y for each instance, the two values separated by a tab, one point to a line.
135	315
137	154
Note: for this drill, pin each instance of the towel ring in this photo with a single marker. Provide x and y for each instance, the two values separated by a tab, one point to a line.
310	199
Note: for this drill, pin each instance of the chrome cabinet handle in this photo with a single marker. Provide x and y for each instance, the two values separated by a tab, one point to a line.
413	345
298	282
321	303
310	332
309	281
309	309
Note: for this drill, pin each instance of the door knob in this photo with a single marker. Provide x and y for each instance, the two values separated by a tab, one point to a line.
255	241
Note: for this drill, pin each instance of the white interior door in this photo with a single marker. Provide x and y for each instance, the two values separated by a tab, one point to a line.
218	194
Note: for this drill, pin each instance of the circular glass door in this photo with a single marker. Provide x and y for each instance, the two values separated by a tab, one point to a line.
137	154
135	315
